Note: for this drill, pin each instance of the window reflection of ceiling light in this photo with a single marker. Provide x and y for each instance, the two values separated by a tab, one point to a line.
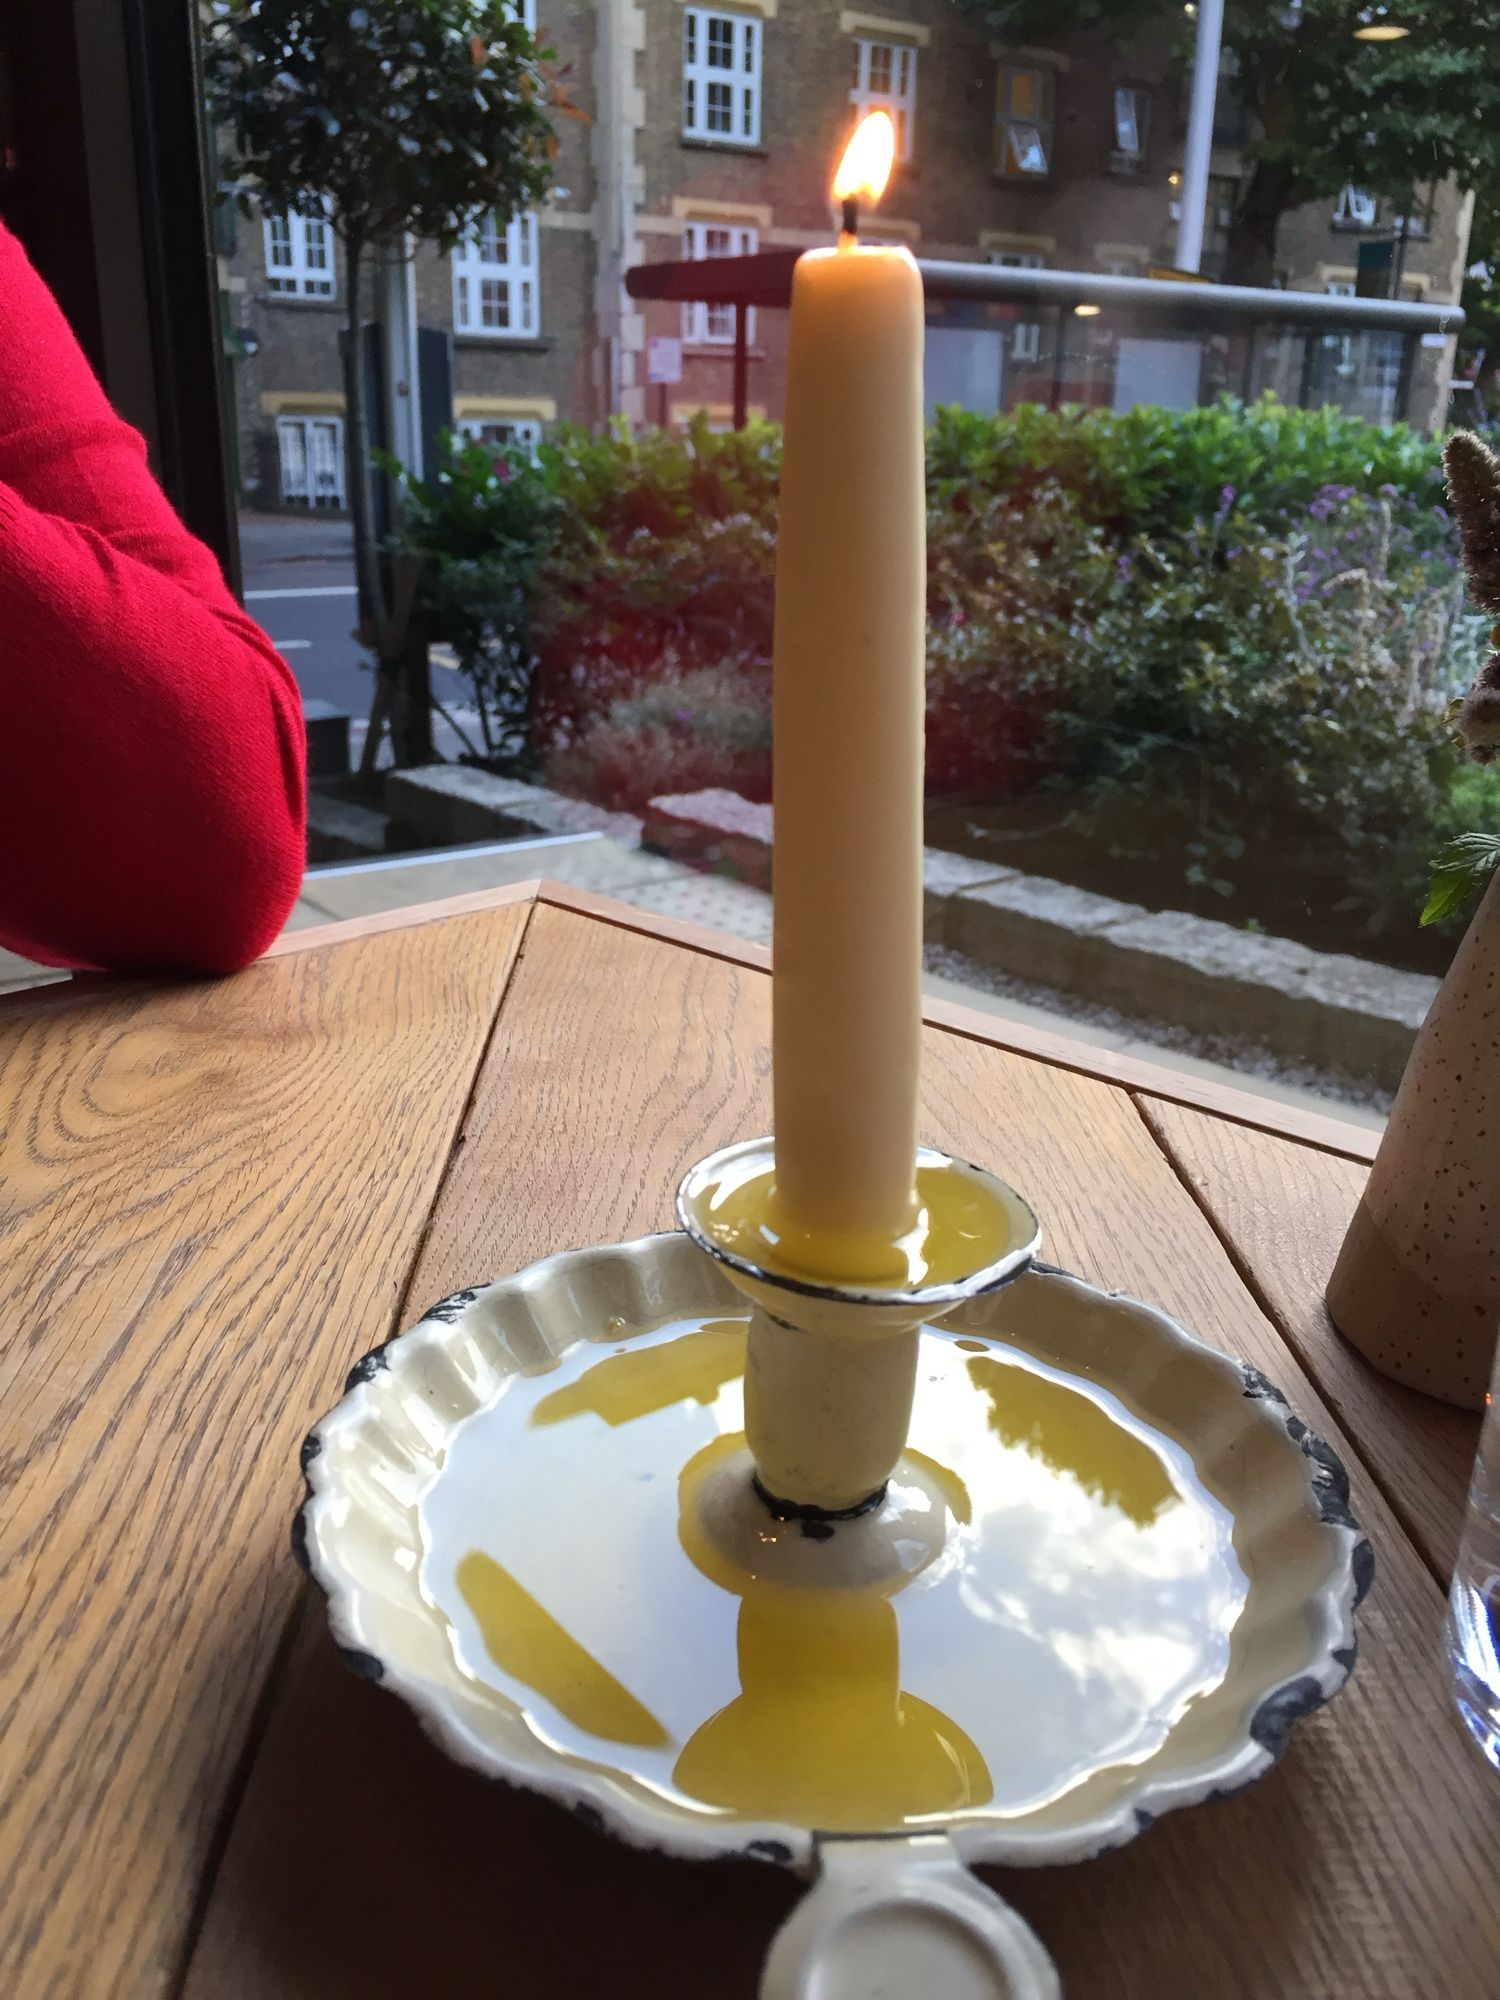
1174	180
1376	26
1087	312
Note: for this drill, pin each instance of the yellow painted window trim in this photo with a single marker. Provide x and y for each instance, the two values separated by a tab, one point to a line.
765	7
723	412
542	407
1009	239
687	208
1116	251
878	226
1023	58
882	30
302	402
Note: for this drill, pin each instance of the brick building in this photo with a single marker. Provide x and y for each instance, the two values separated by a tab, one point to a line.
714	129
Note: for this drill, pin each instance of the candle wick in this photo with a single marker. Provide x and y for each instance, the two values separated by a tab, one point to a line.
851	215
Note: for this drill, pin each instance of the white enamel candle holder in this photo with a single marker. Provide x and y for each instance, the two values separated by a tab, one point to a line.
1018	1452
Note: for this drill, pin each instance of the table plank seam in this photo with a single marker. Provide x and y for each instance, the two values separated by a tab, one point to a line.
1351	1445
403	1302
238	1784
277	1672
1324	1133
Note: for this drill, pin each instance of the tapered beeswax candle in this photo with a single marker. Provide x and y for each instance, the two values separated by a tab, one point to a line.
849	711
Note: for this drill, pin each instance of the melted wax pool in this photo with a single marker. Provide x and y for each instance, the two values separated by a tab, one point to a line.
1084	1596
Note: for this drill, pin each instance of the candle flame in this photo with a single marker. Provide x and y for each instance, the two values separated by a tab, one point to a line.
868	159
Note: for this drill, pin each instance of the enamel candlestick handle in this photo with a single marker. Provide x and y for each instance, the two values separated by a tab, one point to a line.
892	1916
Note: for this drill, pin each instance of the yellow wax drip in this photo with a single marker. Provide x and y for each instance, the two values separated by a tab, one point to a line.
959	1227
636	1643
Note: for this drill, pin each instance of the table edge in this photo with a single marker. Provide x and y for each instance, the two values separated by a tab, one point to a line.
1320	1131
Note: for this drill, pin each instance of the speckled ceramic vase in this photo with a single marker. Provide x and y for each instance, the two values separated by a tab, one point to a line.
1417	1285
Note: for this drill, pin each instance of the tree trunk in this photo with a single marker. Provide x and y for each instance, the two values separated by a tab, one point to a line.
374	616
1266	197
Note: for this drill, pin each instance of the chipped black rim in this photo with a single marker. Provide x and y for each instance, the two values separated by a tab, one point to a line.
585	1795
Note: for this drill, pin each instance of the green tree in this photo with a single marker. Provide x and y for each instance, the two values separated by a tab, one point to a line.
1327	110
402	117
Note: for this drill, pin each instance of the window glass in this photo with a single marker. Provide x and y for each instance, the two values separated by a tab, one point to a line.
1025	98
495	282
1194	612
705	324
885	79
721	76
299	256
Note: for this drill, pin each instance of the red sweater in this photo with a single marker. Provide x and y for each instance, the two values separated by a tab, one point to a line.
152	787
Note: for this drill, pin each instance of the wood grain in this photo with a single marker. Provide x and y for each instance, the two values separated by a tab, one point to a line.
1069	1052
211	1196
404	917
1361	1867
1281	1212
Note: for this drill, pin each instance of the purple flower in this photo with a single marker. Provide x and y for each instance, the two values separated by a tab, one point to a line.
1125	568
1226	501
683	714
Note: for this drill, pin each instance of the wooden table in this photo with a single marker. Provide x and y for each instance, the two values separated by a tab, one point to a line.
216	1195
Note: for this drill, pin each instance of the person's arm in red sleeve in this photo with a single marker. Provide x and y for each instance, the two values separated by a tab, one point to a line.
152	782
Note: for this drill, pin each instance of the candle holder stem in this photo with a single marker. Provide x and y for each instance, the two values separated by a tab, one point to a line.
831	1368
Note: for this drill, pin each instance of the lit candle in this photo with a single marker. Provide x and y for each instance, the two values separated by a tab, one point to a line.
849	651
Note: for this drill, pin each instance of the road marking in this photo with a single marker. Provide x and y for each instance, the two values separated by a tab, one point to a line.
313	590
291	645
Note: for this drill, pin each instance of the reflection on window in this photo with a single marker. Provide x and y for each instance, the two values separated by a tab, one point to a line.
712	325
310	451
1132	123
1354	209
1026	339
1023	122
720	77
1360	373
495	288
299	256
503	433
885	79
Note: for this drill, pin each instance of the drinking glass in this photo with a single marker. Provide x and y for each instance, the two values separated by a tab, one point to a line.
1474	1601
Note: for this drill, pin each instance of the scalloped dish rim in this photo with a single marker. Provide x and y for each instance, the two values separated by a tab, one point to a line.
645	1819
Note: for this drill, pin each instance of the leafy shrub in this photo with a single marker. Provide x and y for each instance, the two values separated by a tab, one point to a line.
707	727
1008	607
1220	693
1148	470
1219	635
663	561
477	527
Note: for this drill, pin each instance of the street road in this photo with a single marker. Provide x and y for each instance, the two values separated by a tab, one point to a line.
299	586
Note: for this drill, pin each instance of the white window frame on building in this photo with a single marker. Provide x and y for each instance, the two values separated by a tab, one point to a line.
721	76
503	433
1025	339
1355	209
310	459
885	79
1025	117
496	281
1341	288
525	11
1132	109
299	255
705	325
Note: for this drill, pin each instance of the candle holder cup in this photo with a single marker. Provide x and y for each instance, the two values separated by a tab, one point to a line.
831	1367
